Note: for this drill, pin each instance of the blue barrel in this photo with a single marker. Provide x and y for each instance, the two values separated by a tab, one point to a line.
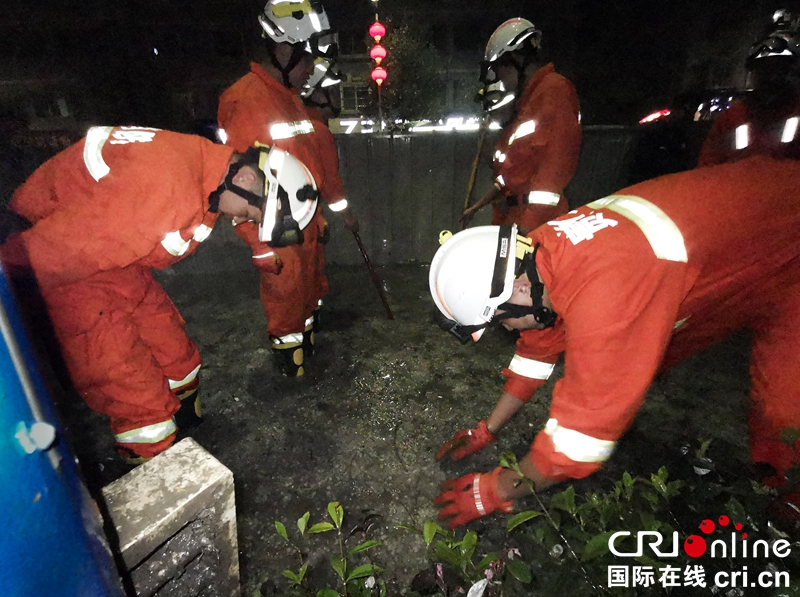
52	541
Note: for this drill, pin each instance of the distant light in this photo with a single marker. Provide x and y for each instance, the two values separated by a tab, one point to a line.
377	53
155	51
742	136
379	75
222	136
656	116
789	130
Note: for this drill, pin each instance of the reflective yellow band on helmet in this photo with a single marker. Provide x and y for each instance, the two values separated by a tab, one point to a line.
661	232
543	198
287	8
287	130
338	206
92	151
174	244
201	233
530	368
578	446
186	380
150	434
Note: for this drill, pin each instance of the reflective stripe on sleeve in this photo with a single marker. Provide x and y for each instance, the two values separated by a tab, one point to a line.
150	434
661	232
530	368
523	130
201	233
286	130
264	255
338	206
186	380
174	244
742	136
789	130
309	322
500	180
578	446
93	151
543	198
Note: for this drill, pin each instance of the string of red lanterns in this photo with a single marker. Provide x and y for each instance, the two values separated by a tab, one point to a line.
378	52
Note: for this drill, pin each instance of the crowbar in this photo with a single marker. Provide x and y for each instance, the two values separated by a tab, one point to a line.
375	280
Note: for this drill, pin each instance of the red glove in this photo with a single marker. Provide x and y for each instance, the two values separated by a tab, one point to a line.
467	442
471	497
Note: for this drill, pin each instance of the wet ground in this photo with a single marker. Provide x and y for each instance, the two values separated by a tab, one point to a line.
378	399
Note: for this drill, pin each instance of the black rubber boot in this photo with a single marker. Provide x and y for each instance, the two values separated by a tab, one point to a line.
190	414
289	358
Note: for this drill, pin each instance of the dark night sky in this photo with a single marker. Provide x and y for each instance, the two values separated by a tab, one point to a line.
624	56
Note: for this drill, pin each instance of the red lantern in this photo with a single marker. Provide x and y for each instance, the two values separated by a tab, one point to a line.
377	53
379	75
377	31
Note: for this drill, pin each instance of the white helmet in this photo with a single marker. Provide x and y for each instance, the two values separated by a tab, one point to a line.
290	198
472	274
300	22
512	36
324	76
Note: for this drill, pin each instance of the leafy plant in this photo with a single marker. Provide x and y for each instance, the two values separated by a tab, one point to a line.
354	579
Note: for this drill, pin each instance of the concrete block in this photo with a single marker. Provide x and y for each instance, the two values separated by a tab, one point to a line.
175	518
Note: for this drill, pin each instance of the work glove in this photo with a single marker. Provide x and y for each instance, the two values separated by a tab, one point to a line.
467	442
470	497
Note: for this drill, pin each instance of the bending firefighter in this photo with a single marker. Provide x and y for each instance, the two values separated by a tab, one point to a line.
103	213
626	287
538	151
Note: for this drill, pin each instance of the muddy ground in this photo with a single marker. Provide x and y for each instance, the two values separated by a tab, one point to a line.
378	399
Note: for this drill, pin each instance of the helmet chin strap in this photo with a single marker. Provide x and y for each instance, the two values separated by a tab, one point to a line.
543	315
326	104
294	60
253	199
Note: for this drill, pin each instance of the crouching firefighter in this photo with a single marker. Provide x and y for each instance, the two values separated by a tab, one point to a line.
103	213
281	244
626	287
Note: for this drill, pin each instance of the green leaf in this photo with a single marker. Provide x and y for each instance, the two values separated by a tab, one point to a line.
518	519
364	546
736	510
321	527
302	522
327	593
429	531
291	576
339	564
659	484
442	552
484	563
337	513
564	500
469	542
627	480
281	530
597	546
302	573
408	527
519	570
363	571
508	460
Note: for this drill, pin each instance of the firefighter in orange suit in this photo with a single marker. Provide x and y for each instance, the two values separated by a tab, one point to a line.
103	213
538	151
766	120
626	287
264	107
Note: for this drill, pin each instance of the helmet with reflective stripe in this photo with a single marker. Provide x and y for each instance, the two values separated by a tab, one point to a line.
299	22
472	274
781	40
515	35
290	198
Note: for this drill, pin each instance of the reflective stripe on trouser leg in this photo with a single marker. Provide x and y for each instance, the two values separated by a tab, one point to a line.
289	352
